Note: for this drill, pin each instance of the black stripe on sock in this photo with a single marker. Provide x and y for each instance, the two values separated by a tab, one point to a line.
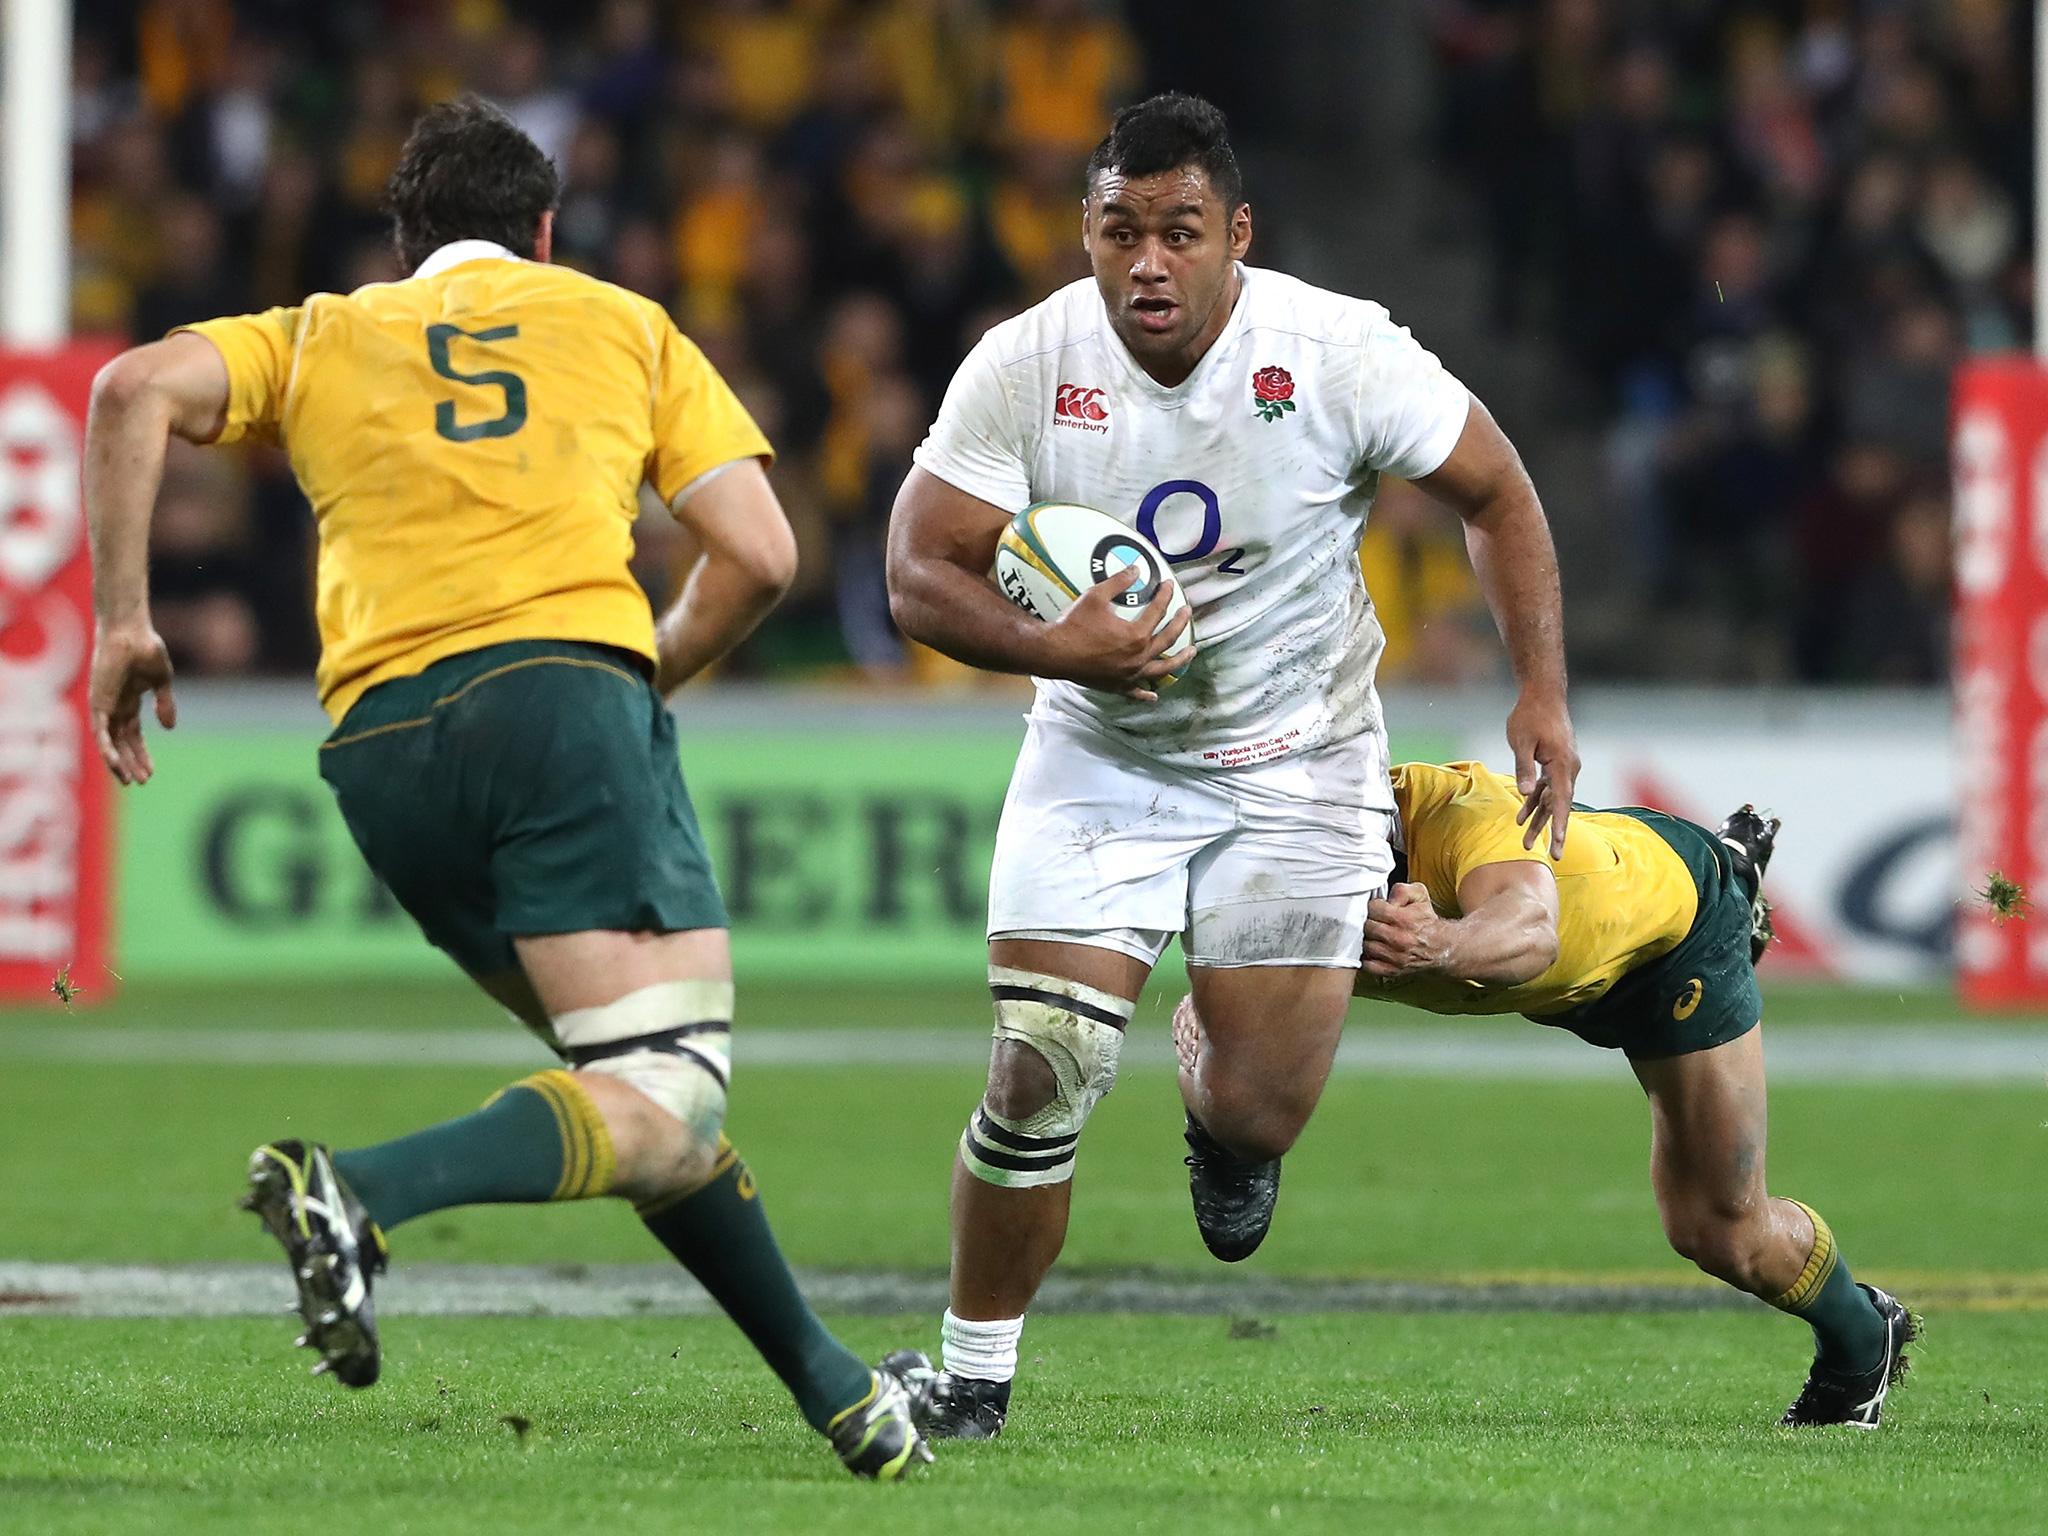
1002	1136
653	1041
667	1042
1015	1164
1008	994
709	1063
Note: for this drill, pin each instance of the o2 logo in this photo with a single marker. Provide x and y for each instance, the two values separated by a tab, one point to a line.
1205	542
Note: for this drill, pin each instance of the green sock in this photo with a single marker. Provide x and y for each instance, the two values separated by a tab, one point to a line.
720	1235
541	1139
1848	1333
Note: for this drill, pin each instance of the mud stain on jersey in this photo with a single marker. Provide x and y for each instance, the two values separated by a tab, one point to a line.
1088	836
1277	932
1085	838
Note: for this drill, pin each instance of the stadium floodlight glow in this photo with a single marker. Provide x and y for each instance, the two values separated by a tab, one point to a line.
35	174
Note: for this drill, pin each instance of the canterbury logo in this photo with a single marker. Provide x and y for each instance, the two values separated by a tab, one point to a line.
1688	1000
1075	406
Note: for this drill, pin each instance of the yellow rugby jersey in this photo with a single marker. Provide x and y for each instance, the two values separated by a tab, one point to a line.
1623	895
472	440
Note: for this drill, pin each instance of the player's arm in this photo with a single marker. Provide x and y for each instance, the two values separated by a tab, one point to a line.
1508	538
139	401
1507	935
748	561
942	543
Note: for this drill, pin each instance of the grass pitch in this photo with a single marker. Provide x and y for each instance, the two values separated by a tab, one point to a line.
1513	1423
1499	1422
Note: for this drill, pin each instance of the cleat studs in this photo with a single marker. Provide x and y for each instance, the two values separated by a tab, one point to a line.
302	1341
329	1318
321	1368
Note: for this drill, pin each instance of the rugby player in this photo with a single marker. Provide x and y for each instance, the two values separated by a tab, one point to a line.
1240	419
1642	936
473	440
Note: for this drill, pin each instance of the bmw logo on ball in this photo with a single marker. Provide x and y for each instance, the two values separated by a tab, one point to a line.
1116	552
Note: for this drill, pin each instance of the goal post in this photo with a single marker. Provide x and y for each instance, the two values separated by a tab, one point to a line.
35	205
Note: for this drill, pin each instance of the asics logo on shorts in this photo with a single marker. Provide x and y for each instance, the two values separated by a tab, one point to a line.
1078	406
1688	999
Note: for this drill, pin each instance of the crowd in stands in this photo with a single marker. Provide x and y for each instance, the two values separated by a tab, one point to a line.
1764	232
834	197
1758	233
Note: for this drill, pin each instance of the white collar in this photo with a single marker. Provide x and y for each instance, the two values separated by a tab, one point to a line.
1174	395
458	251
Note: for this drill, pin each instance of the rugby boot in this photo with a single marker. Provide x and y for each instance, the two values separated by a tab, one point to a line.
920	1378
334	1248
877	1437
950	1407
1233	1199
1750	839
1832	1397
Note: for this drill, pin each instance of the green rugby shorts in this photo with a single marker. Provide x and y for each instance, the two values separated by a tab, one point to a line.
525	788
1701	994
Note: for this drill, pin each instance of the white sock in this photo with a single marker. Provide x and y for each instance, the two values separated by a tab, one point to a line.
984	1351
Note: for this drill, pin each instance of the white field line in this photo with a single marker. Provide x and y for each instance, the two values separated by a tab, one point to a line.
30	1289
1923	1052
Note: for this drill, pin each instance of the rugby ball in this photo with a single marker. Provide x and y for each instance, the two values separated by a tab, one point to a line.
1053	552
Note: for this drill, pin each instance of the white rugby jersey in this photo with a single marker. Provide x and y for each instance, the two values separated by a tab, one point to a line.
1253	476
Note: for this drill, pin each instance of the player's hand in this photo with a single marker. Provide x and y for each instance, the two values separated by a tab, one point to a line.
1403	934
1546	767
1093	644
128	661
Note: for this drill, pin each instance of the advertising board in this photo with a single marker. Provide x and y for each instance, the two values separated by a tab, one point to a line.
53	791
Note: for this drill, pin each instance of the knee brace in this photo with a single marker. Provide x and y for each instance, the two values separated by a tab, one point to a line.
672	1041
1079	1033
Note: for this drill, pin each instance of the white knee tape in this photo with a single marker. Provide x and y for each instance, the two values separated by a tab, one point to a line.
672	1041
1078	1032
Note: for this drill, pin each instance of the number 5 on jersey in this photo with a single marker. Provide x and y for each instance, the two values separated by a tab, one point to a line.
508	421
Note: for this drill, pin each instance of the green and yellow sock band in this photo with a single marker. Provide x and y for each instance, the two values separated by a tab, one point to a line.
1820	1264
588	1162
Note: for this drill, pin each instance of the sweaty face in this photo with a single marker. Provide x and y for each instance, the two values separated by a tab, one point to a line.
1164	248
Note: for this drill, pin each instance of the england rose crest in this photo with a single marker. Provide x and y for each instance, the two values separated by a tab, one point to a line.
1272	393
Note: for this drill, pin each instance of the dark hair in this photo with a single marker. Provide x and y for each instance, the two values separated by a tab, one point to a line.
468	173
1166	132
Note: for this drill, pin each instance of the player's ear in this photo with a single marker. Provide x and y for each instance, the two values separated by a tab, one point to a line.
1240	231
544	237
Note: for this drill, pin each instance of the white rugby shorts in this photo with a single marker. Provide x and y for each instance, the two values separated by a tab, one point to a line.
1266	865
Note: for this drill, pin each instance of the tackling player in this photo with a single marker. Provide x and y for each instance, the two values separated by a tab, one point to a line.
1643	936
1241	420
473	441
